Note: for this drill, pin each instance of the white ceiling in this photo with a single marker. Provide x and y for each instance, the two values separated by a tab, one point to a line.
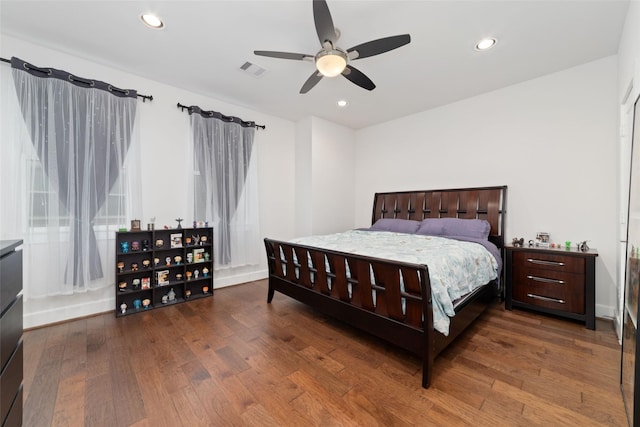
205	43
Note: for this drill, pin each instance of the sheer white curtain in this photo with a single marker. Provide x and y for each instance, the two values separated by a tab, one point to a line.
226	185
72	157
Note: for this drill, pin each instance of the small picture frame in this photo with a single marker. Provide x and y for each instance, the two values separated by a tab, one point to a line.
198	255
145	283
162	277
135	225
176	240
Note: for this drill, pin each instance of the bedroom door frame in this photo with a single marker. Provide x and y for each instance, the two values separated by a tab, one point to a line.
631	93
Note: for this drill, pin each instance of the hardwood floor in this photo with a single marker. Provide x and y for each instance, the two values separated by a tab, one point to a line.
235	360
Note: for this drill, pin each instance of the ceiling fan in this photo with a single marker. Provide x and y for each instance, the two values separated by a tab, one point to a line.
331	60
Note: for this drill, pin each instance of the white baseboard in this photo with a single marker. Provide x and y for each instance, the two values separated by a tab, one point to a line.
236	279
58	309
59	314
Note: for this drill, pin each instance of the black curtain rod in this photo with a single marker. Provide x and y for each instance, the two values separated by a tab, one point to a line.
190	110
144	97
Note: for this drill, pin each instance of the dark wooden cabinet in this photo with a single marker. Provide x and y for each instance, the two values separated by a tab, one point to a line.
554	281
11	333
162	267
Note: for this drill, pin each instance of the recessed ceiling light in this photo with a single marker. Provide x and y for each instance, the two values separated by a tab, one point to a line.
342	103
152	21
485	44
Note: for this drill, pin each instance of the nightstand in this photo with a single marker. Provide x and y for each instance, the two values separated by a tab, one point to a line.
554	281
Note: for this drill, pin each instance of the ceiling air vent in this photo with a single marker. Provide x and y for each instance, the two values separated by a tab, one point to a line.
252	69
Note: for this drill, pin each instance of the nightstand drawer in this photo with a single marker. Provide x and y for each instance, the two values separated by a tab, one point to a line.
552	262
555	290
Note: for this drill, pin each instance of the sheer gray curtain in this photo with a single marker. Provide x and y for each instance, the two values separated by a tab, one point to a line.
225	185
81	132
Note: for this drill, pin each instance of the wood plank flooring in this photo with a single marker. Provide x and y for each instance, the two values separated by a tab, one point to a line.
235	360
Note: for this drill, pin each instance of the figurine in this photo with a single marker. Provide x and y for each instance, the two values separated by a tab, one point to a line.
179	276
177	259
135	245
123	308
179	221
567	244
518	242
206	224
187	240
171	295
196	273
120	266
134	266
156	261
203	240
187	293
189	275
146	263
206	256
137	304
583	247
122	286
145	245
135	283
159	243
167	261
205	289
124	247
205	272
146	303
189	258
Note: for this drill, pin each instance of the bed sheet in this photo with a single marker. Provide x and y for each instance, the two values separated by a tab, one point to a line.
456	267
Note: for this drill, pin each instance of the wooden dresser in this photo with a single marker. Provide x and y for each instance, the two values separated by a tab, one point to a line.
11	333
553	281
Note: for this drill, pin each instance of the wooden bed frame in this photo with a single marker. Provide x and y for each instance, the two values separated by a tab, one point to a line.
412	330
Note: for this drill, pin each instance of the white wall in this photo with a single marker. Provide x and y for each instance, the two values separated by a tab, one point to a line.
303	177
552	140
164	132
332	177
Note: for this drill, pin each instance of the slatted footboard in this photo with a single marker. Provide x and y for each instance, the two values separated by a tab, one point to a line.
388	299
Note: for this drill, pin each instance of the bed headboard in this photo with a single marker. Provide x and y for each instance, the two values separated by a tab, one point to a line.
487	203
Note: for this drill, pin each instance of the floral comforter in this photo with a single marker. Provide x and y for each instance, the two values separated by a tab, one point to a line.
455	267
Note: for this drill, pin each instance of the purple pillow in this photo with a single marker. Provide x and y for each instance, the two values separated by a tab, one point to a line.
395	224
472	228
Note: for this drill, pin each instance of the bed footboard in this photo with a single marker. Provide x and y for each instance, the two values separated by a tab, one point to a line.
388	299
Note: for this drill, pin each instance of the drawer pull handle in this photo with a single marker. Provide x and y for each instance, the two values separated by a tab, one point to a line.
545	280
540	297
543	262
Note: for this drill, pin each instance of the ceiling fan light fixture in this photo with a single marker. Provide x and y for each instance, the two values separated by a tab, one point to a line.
331	63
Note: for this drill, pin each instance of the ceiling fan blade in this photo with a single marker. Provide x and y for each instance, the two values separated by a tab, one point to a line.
283	55
356	76
324	23
311	82
376	47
